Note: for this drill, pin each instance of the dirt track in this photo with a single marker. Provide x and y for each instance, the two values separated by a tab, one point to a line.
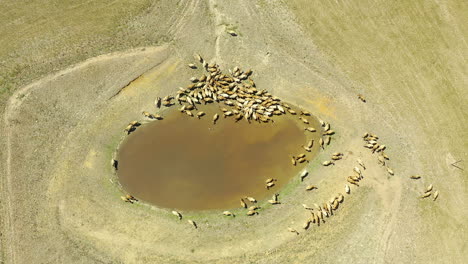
60	206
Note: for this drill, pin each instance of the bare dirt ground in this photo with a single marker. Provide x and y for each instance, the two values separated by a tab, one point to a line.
71	82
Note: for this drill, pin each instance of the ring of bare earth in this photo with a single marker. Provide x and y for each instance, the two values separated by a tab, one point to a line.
79	204
164	226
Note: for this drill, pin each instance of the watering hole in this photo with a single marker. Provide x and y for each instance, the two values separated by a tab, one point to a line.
188	163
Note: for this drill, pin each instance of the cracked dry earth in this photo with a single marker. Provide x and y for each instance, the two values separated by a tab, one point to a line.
60	201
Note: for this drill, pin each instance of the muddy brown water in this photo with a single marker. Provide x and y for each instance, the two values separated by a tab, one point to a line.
187	163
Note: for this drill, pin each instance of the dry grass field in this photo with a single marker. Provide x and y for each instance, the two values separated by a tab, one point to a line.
74	73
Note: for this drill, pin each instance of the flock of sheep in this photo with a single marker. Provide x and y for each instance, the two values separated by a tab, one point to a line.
242	100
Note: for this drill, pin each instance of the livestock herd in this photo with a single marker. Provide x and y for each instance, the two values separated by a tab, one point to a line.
242	100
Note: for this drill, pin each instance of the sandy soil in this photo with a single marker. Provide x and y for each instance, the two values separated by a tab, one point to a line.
59	199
